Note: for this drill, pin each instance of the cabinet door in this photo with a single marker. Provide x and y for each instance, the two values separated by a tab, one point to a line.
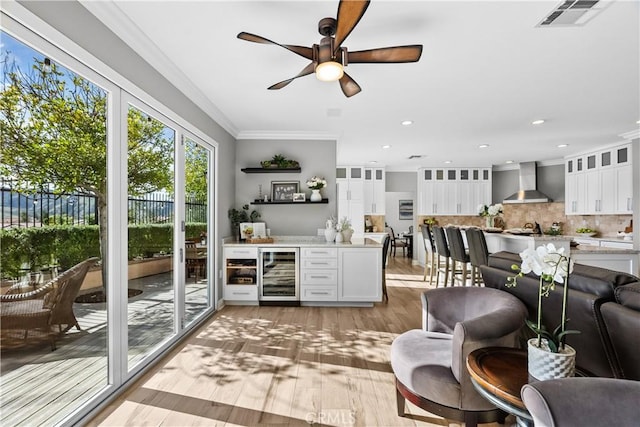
425	191
379	190
368	192
592	182
360	274
608	191
575	194
624	187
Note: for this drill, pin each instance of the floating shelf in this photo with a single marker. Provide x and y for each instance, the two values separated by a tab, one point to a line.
271	170
289	202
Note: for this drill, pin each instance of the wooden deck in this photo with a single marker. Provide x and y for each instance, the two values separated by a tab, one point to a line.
40	387
283	366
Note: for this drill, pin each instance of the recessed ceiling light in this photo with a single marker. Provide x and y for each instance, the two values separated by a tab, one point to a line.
448	161
509	162
373	161
407	122
638	122
483	146
537	122
563	145
386	146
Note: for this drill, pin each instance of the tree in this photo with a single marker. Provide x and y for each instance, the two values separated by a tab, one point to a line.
53	131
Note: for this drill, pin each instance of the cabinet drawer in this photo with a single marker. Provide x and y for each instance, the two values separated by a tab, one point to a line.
331	263
318	277
616	245
319	252
241	293
318	293
239	252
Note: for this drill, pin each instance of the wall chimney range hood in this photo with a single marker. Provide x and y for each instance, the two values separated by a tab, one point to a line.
527	192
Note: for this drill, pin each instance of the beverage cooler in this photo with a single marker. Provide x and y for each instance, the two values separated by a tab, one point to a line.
279	280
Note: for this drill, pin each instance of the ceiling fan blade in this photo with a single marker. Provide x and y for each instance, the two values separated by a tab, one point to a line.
309	69
349	14
349	86
396	54
305	52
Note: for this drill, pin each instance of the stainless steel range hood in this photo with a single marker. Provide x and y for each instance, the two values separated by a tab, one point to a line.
528	192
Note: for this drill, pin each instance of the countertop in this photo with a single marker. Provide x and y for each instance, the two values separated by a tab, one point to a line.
589	249
306	241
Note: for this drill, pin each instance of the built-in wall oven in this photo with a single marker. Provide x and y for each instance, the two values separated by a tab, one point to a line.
278	280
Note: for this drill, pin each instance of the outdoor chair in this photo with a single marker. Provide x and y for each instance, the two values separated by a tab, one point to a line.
48	305
196	261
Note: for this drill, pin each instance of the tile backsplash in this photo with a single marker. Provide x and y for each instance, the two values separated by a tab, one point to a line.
545	214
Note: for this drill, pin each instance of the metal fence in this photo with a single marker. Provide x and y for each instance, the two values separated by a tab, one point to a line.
44	207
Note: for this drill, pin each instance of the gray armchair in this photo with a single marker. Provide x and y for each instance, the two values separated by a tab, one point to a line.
593	402
430	363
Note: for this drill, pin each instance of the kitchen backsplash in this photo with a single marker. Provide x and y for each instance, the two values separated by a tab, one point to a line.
545	214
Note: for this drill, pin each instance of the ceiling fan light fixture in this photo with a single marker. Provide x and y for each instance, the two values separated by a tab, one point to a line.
329	71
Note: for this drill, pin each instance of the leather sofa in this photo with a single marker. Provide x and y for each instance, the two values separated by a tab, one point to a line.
603	305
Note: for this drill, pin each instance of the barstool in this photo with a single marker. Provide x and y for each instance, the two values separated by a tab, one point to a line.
385	251
478	253
458	254
430	253
442	255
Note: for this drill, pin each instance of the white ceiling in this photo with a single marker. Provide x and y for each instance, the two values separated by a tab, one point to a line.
485	74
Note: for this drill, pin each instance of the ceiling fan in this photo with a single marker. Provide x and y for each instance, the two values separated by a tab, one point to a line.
329	58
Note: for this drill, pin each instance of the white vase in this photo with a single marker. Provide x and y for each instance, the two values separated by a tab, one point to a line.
346	235
488	221
315	196
330	234
545	365
339	237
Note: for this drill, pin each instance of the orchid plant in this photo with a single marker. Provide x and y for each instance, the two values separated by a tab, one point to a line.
552	266
491	210
316	183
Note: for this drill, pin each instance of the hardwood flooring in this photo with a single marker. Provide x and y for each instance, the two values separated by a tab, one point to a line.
283	366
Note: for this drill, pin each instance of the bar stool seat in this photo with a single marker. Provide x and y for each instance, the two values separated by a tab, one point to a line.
443	256
458	255
478	253
430	264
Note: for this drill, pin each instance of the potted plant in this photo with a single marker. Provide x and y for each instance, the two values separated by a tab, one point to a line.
316	184
279	161
345	230
548	355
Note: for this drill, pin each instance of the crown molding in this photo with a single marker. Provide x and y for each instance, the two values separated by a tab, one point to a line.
634	134
287	135
122	26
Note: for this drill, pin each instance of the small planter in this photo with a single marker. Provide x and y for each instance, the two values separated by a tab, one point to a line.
545	365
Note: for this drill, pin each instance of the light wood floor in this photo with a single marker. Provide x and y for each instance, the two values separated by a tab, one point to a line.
283	366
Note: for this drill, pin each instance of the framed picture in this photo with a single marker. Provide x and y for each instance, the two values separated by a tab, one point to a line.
405	209
284	190
299	197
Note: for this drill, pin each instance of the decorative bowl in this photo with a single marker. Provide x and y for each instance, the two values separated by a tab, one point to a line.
593	233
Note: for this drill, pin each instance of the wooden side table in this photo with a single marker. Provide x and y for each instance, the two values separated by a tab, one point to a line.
498	374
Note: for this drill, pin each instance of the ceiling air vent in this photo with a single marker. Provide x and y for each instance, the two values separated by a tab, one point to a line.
572	13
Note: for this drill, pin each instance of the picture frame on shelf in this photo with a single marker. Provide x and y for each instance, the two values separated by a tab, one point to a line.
299	197
284	190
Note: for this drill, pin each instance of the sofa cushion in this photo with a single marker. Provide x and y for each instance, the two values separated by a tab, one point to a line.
629	295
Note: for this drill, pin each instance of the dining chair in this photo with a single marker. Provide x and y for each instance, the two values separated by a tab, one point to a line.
395	243
443	256
386	242
459	255
478	253
430	254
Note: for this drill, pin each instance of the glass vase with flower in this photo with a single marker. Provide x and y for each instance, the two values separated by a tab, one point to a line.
548	355
489	212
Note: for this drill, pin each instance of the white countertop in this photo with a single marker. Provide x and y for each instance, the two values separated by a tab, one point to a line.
306	241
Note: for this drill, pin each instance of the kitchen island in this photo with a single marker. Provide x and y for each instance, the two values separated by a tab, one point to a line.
614	257
326	274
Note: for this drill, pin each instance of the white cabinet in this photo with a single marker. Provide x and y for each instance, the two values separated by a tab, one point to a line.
318	274
599	182
453	191
240	282
360	274
374	191
350	183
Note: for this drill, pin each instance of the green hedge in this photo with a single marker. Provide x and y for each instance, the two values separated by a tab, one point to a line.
38	247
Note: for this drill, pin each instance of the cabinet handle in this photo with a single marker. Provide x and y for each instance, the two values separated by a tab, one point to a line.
374	208
241	293
319	263
319	293
319	277
628	203
319	252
